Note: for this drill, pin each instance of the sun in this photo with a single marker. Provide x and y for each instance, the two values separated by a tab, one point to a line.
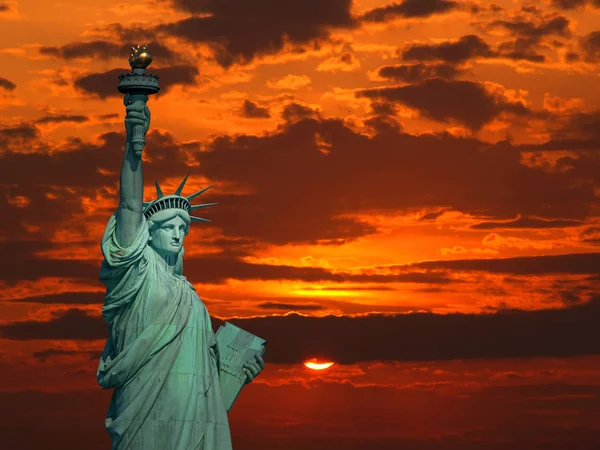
318	365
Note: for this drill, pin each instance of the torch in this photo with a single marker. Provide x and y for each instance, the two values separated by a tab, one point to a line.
137	86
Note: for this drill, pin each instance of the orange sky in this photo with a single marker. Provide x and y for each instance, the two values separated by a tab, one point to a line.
408	189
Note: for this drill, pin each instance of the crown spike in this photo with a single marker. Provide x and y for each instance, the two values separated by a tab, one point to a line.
180	188
193	207
159	191
193	196
198	219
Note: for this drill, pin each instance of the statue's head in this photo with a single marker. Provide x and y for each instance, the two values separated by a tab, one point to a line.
168	229
168	218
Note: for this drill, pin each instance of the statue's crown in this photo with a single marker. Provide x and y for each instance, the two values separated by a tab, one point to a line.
176	201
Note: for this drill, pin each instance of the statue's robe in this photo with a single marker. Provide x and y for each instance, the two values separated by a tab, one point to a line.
160	357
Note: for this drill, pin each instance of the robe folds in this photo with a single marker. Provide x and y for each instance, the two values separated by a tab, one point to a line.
160	358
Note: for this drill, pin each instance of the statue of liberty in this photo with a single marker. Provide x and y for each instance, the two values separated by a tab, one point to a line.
161	357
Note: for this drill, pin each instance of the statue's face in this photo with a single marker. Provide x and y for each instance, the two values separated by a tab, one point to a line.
168	238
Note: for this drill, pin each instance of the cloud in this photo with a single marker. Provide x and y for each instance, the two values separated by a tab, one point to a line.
324	414
104	85
457	51
527	223
454	336
43	355
251	110
290	81
574	4
443	100
289	306
105	50
535	28
69	298
432	171
412	73
590	235
70	324
18	135
293	112
7	84
58	181
62	118
346	62
348	340
224	25
591	46
529	31
409	9
216	269
576	263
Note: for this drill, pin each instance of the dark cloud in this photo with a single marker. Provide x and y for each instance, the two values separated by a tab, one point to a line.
511	333
457	51
529	32
70	324
579	131
62	118
293	338
94	50
409	9
215	269
4	7
573	4
347	58
524	47
18	135
289	306
34	269
590	235
105	50
511	417
108	116
398	164
69	298
521	49
104	84
465	102
44	355
550	25
54	182
310	196
591	46
251	110
527	222
293	112
412	73
431	216
576	263
383	109
572	57
7	84
223	25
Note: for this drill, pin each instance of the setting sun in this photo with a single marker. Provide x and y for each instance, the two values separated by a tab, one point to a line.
314	365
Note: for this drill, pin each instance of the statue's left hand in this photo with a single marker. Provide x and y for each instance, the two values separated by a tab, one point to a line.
253	367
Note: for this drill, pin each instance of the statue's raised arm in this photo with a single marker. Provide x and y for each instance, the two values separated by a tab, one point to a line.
131	184
136	86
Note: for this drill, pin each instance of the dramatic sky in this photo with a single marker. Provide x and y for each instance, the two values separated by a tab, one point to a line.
408	189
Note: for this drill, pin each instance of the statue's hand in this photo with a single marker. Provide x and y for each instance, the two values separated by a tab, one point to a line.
137	114
253	367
